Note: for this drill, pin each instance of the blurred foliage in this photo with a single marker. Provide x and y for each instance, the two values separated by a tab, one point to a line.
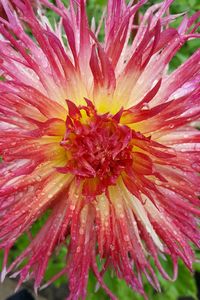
185	284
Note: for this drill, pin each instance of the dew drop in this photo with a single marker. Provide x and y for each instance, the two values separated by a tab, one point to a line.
30	189
72	207
106	224
81	231
78	249
126	238
145	106
112	247
38	178
157	182
195	165
96	227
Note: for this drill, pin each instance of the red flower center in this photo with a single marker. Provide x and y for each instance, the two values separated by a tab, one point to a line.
98	148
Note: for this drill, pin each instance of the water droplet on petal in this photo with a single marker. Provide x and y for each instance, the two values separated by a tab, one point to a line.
126	238
195	166
157	182
81	231
106	224
72	207
112	247
38	178
145	106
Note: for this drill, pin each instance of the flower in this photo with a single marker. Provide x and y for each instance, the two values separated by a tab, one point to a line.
100	135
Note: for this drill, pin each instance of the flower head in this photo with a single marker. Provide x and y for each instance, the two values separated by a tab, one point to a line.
99	134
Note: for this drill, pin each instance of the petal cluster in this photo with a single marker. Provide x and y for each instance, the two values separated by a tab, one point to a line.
99	134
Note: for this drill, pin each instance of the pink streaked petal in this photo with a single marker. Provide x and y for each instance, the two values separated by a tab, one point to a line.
80	249
54	232
166	116
127	226
118	25
49	70
104	77
16	168
35	150
185	134
169	236
28	94
186	72
30	204
153	71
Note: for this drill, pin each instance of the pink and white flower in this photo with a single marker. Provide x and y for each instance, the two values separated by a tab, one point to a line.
99	134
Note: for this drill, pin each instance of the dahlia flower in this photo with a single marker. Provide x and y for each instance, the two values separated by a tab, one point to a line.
100	135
